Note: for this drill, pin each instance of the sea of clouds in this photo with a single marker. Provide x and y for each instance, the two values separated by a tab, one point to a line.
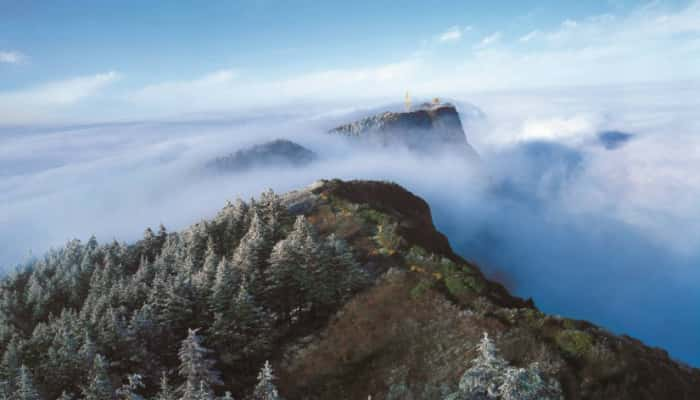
604	228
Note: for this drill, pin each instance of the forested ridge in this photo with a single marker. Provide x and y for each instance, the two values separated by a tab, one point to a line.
341	290
200	310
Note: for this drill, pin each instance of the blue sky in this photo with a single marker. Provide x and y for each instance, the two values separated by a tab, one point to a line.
69	59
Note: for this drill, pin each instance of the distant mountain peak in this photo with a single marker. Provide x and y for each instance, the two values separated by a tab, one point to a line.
423	128
278	152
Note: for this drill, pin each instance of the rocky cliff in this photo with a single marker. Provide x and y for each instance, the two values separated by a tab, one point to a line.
428	127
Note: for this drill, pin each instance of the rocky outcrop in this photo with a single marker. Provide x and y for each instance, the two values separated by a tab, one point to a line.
429	127
276	153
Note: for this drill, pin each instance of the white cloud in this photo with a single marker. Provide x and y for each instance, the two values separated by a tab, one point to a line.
40	102
489	40
576	128
650	44
11	57
530	36
453	34
228	89
213	90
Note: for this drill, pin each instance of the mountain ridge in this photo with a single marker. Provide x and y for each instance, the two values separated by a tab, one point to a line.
347	287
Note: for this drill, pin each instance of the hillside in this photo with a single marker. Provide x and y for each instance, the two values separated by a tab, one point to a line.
275	153
346	288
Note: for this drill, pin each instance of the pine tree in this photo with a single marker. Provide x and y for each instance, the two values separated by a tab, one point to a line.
128	390
99	386
66	396
25	386
275	213
195	366
490	377
10	365
254	247
348	276
289	278
227	396
226	278
178	311
243	329
485	376
87	351
166	392
265	388
207	275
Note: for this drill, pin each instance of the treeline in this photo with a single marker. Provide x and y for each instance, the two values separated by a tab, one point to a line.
247	281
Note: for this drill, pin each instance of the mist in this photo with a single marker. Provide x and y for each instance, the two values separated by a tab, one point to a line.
589	230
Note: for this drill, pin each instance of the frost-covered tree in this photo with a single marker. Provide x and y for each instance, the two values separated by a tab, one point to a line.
265	388
66	396
251	253
226	278
227	396
9	369
196	366
243	329
87	351
166	391
490	377
25	386
99	386
207	275
127	391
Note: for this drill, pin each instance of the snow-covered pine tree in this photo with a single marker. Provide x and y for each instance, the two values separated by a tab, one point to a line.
227	396
99	386
66	396
251	253
25	386
128	391
9	369
166	392
282	289
196	368
490	377
207	275
275	213
221	293
265	388
350	277
243	329
87	351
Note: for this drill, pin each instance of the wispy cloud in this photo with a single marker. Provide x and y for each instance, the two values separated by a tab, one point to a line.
11	57
37	103
453	34
489	40
529	36
229	89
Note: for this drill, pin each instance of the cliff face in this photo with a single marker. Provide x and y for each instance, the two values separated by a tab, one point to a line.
413	332
430	127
